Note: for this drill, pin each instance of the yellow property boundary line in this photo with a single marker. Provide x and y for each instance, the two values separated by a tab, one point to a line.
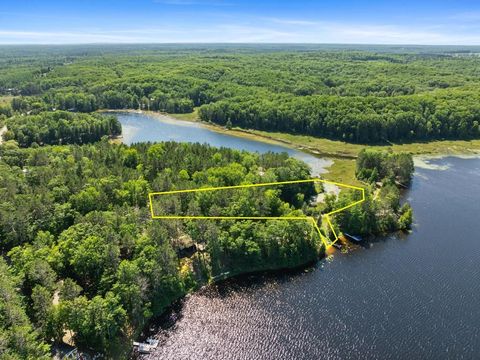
311	219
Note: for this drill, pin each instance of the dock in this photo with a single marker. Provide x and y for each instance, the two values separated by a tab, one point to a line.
147	347
337	245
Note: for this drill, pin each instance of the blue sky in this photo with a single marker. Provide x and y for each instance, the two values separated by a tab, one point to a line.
234	21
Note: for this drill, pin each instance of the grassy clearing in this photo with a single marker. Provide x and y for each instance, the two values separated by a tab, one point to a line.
342	149
4	100
446	147
193	116
343	171
316	145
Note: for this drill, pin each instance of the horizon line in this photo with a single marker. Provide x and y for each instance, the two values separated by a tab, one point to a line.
234	43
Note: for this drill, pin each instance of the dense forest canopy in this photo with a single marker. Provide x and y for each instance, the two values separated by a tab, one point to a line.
18	338
374	165
75	226
57	127
74	222
383	173
366	94
79	250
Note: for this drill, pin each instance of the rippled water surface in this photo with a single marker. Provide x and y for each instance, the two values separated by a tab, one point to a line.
403	297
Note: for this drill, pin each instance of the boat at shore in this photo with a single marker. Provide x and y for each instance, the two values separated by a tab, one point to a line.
354	238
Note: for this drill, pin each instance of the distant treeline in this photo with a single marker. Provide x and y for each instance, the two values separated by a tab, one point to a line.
355	119
356	96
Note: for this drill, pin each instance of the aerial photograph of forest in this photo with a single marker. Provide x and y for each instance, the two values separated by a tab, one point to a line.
239	180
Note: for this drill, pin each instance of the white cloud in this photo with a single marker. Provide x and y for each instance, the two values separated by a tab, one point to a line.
52	37
343	32
390	34
262	30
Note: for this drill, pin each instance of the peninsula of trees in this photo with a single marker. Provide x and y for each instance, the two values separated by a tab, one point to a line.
75	226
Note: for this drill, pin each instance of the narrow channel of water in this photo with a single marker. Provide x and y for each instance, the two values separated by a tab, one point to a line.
402	297
137	127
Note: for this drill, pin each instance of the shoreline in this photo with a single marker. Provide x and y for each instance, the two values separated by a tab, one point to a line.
430	149
241	133
153	326
342	154
348	162
342	168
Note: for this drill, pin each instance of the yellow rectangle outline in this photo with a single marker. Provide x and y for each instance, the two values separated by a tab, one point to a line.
325	241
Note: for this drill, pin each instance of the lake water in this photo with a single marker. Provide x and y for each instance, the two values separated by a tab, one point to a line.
402	297
138	127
